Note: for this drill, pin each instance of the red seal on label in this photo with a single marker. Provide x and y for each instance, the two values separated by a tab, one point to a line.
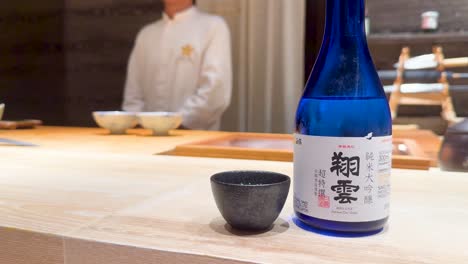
324	201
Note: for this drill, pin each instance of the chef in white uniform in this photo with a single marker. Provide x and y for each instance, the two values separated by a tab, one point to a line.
182	63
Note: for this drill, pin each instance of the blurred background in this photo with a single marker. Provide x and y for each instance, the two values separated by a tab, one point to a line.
62	59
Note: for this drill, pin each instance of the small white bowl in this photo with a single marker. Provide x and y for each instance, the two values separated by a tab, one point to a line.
160	122
115	121
2	108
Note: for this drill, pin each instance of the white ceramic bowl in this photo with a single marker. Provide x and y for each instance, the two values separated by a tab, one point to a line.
115	121
2	108
160	122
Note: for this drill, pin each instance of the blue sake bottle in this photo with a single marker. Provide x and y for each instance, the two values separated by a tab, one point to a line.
343	140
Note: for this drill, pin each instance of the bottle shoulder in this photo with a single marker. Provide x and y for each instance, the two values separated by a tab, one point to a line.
343	117
344	69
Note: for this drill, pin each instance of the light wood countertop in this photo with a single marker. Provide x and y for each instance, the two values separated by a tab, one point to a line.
97	140
82	197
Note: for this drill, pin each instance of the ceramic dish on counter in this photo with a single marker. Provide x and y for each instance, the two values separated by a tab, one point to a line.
117	122
160	122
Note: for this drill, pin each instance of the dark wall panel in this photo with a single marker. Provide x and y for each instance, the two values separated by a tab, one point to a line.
32	59
315	17
61	60
99	36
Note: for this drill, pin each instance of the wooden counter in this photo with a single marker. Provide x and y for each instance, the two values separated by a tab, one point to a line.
81	197
96	140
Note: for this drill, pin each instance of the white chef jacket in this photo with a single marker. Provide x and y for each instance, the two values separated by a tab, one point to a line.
182	65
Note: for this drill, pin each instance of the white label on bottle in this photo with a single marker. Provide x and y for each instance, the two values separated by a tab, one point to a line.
343	179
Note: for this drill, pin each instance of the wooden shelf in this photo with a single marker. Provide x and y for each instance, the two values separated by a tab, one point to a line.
436	37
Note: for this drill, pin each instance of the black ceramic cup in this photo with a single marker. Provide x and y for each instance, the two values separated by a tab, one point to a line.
250	200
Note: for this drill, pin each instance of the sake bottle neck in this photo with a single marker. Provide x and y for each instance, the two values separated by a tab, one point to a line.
345	18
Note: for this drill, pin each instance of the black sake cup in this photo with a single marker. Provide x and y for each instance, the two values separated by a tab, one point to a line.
250	200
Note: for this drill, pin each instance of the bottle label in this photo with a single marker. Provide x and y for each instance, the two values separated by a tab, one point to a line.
343	179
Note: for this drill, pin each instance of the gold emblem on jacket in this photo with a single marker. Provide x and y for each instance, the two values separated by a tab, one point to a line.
187	51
